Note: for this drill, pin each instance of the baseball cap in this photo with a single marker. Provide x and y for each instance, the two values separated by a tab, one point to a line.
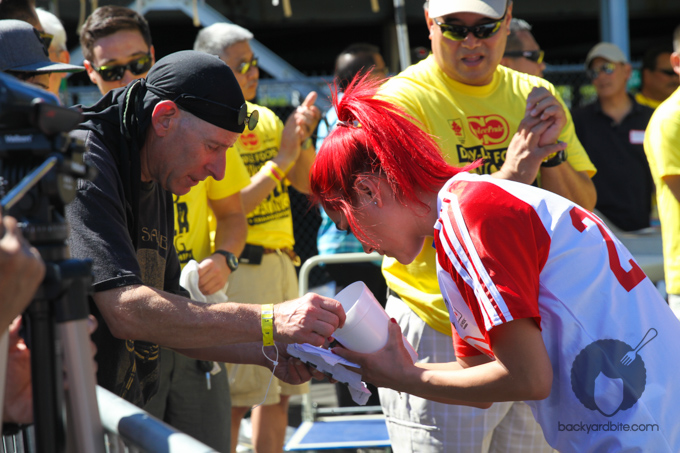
493	9
22	50
608	51
201	84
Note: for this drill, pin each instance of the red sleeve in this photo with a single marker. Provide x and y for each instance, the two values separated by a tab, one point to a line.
505	246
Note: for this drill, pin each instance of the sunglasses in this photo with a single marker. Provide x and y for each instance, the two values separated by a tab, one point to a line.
46	39
534	55
138	66
607	68
194	103
246	66
460	32
668	72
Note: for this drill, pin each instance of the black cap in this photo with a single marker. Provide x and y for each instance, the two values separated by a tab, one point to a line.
201	84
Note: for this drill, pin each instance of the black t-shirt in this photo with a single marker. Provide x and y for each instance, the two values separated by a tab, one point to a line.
623	180
99	231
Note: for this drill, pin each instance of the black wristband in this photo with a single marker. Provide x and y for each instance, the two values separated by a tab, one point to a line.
232	260
556	160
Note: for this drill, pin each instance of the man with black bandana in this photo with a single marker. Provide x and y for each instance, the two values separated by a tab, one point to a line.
157	137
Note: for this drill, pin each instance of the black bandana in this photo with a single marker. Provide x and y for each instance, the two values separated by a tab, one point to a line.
121	117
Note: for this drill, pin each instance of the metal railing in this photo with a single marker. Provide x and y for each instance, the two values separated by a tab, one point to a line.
128	429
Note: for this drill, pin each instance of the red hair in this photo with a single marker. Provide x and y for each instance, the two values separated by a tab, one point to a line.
374	137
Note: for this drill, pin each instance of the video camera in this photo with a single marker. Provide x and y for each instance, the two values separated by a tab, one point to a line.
39	162
39	168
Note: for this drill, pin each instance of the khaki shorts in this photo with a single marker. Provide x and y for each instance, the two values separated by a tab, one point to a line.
272	281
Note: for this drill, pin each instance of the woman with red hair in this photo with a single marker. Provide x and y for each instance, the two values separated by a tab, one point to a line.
546	305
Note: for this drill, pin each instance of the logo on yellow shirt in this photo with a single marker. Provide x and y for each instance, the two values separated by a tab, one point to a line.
249	140
457	128
490	129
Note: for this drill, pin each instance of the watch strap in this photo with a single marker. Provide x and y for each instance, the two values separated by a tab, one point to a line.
555	160
232	260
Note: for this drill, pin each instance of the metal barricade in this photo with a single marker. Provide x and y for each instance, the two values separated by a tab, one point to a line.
128	429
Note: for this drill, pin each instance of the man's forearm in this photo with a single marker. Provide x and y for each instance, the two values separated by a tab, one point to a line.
299	174
231	233
571	184
144	313
243	353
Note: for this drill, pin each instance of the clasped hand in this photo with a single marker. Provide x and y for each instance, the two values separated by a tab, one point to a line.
536	137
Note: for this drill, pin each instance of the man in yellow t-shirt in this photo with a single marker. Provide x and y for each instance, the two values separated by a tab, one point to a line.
276	157
472	106
662	146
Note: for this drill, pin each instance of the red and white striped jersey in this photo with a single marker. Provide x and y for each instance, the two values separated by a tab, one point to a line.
507	251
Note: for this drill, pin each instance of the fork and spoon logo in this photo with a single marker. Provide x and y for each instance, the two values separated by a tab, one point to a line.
610	375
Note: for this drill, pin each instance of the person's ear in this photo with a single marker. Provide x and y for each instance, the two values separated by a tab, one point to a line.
164	117
368	190
429	22
152	51
675	62
628	69
64	56
91	73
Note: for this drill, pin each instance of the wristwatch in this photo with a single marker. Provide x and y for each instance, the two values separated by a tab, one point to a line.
555	160
232	260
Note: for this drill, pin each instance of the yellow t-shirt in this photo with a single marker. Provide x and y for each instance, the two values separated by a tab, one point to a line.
194	222
468	123
271	223
662	146
644	100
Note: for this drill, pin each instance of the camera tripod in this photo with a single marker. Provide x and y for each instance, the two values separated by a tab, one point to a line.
56	323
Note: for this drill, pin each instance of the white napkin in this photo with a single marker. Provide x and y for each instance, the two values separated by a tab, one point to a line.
331	364
189	281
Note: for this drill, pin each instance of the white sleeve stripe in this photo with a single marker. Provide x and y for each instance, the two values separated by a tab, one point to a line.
487	309
447	241
500	314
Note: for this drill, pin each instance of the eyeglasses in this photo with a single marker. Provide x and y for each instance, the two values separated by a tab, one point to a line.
46	39
668	72
607	68
534	55
194	103
460	32
246	66
138	66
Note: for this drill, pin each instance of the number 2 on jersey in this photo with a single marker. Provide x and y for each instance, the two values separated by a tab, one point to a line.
627	279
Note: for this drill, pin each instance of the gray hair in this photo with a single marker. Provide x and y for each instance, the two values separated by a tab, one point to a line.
53	26
516	25
217	37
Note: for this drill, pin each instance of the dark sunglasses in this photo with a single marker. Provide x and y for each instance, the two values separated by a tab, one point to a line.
668	72
460	32
46	39
534	55
138	66
607	68
244	67
194	103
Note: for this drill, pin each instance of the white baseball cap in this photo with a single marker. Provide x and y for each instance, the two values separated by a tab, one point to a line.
493	9
608	51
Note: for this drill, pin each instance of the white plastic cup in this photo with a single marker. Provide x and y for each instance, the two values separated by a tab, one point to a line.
366	322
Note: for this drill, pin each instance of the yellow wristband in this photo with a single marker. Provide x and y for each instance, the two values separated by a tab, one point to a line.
268	172
273	171
267	324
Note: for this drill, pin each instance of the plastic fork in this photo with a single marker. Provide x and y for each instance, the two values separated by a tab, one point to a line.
631	355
